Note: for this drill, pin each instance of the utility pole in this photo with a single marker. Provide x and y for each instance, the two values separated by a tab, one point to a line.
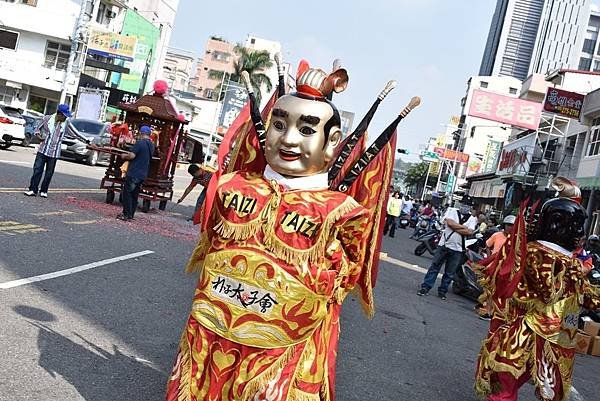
78	31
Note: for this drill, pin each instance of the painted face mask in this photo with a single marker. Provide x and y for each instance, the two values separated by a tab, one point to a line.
296	142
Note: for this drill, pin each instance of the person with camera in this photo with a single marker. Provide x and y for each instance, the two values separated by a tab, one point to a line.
458	224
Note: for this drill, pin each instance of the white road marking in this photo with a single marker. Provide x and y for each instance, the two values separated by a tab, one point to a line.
14	162
575	396
60	273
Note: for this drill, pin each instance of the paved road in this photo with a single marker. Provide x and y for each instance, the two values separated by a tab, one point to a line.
110	332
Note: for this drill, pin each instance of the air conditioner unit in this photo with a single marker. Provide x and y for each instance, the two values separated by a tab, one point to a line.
110	14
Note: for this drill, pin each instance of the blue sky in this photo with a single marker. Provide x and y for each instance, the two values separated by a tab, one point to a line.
430	47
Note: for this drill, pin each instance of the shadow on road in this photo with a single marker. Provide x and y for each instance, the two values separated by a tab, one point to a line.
97	374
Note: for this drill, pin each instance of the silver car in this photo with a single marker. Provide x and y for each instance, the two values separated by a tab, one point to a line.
95	131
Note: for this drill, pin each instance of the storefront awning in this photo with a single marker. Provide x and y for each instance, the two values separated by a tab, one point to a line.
493	188
588	182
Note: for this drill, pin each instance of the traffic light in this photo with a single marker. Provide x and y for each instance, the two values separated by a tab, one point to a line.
404	151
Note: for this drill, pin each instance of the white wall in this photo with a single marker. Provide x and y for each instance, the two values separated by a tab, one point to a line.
53	18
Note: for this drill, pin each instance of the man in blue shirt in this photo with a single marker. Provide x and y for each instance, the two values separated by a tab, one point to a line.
139	162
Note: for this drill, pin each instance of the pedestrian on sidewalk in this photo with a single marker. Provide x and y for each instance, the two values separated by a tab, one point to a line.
394	207
450	251
139	162
51	132
200	175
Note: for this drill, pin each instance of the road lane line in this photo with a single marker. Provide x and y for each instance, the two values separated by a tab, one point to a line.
55	190
14	162
66	272
401	263
55	213
81	223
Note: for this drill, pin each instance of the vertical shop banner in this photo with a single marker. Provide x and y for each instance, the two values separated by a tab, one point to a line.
233	103
505	109
565	103
490	158
147	36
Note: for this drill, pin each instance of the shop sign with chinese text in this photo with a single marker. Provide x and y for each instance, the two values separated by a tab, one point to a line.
109	44
452	155
505	109
565	103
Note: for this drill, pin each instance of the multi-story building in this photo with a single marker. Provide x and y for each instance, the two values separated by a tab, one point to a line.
177	69
589	58
34	53
480	137
535	36
161	13
218	59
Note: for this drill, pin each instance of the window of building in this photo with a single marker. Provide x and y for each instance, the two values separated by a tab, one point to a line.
57	55
215	74
589	45
252	41
8	39
208	93
585	64
7	94
596	65
594	144
483	84
32	3
221	56
101	13
512	91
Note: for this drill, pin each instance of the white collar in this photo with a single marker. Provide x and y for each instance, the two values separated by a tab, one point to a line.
316	181
556	247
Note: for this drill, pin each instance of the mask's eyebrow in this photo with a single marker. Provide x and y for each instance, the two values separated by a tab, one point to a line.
280	113
313	120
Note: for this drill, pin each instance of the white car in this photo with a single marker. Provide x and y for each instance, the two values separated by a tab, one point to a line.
12	126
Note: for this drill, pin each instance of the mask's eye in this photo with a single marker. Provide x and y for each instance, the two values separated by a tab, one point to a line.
279	125
307	131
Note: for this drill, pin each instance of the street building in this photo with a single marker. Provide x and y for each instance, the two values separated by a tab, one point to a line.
218	59
535	36
480	138
178	69
42	64
530	158
34	54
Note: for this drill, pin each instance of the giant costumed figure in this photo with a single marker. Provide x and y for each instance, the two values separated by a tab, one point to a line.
538	286
283	244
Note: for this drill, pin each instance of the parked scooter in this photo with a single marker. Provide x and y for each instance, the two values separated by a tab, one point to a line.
428	242
465	280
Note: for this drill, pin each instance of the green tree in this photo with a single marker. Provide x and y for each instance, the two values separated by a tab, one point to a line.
255	63
416	174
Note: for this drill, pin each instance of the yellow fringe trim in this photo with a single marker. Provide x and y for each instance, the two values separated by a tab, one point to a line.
195	262
238	232
298	395
184	370
296	256
259	382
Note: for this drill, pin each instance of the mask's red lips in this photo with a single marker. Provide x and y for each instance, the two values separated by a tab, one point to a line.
288	155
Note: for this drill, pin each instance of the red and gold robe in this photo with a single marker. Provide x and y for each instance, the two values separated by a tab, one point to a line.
532	332
275	266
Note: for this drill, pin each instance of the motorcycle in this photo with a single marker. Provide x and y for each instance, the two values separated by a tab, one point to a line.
428	242
465	280
423	225
403	221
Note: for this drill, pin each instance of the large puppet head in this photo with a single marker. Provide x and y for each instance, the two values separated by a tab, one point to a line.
305	126
561	219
